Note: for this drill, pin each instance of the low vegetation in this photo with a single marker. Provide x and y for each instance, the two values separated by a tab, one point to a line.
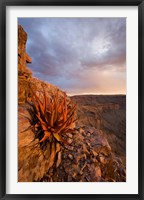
54	116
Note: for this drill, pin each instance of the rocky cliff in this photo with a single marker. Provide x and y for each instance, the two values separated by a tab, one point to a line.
85	157
106	113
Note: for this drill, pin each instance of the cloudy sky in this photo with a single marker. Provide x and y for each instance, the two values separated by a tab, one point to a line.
79	55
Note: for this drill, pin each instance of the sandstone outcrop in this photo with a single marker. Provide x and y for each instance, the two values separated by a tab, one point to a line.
25	78
87	156
23	57
32	164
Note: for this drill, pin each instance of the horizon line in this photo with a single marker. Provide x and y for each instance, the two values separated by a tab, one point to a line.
96	94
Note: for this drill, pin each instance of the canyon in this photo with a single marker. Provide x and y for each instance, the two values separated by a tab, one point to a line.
95	147
106	113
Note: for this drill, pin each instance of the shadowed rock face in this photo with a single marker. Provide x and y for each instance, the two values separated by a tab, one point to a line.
23	72
87	156
23	57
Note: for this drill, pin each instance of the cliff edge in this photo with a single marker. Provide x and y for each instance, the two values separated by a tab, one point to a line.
86	156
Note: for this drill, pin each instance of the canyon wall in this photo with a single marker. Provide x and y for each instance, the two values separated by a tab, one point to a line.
106	113
86	157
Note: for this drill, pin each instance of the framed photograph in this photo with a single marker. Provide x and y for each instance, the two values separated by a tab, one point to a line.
71	106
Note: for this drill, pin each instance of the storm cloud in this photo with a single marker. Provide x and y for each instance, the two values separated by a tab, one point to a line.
79	55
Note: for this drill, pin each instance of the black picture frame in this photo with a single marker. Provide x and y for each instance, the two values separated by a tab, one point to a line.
3	128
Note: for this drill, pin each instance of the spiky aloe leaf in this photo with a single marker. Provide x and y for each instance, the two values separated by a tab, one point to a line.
52	156
64	124
52	118
59	159
48	151
46	136
59	138
58	147
55	117
39	118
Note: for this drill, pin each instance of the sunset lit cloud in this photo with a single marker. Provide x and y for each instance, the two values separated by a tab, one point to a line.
79	55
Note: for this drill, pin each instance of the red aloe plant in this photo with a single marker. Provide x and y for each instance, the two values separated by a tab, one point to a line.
55	116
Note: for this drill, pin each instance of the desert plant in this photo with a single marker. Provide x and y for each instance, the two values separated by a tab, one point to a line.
53	118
